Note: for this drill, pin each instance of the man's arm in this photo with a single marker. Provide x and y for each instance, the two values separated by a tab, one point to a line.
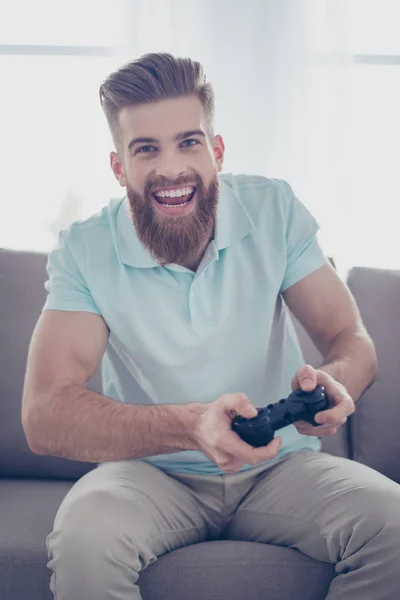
79	424
62	418
326	308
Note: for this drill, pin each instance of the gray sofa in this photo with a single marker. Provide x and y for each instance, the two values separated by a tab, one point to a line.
32	487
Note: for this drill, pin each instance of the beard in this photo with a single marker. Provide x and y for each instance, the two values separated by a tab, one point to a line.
175	239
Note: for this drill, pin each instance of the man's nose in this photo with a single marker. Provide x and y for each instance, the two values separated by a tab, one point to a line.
170	165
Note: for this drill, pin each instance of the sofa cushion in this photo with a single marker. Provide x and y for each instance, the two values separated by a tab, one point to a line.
375	424
22	277
28	508
230	569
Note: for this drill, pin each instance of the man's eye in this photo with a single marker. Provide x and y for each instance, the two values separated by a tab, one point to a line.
189	143
145	149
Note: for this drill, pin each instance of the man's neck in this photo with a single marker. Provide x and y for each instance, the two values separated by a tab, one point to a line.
193	265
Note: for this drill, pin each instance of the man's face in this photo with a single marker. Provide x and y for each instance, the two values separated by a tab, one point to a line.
166	159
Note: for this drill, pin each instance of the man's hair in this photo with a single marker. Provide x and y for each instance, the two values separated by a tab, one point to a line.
151	78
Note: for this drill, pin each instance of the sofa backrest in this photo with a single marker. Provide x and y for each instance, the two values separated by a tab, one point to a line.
375	425
22	296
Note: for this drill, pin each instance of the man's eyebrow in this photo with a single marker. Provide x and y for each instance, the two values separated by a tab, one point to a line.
179	136
142	140
186	134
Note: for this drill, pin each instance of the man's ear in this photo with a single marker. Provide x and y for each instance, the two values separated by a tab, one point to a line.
218	147
117	168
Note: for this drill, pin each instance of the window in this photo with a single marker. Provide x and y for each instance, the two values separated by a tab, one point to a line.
54	137
375	92
55	140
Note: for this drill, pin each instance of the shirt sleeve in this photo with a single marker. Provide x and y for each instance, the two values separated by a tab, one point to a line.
303	252
66	286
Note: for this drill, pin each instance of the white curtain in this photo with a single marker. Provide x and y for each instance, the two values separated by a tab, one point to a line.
290	103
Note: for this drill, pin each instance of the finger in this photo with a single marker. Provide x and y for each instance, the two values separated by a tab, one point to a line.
239	404
238	448
318	431
231	443
231	467
227	462
306	378
328	432
307	429
305	425
341	403
336	414
268	452
305	371
321	377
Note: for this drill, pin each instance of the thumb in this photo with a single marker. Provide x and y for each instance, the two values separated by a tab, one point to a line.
239	404
307	378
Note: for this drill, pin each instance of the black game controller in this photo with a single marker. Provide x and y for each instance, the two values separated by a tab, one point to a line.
298	406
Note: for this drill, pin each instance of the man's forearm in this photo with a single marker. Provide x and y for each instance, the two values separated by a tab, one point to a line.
351	360
82	425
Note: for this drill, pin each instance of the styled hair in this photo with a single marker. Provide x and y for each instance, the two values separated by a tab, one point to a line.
151	78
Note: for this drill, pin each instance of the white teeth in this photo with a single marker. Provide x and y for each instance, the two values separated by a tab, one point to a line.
175	205
174	193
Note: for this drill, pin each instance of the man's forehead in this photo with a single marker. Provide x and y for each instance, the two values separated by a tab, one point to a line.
164	118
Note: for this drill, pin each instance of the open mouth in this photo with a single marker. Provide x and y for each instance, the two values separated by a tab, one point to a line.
175	201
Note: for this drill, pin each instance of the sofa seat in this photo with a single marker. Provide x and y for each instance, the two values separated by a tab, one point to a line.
28	508
208	571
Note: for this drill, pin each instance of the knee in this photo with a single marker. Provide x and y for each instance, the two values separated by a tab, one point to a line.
387	520
91	548
374	518
92	525
379	507
91	512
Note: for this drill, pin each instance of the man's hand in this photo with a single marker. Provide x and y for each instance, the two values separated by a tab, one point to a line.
307	378
213	434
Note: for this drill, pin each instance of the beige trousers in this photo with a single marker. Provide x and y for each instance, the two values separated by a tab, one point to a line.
118	518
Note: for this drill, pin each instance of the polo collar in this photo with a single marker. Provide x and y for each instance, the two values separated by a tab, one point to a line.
232	224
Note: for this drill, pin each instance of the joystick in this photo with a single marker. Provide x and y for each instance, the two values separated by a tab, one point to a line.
298	406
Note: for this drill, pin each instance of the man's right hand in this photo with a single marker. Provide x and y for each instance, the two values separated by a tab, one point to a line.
213	434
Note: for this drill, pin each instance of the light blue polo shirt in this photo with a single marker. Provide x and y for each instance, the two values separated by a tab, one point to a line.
177	336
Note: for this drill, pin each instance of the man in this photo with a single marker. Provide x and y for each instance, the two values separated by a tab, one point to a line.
183	286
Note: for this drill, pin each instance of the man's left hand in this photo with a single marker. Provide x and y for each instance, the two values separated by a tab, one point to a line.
342	405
